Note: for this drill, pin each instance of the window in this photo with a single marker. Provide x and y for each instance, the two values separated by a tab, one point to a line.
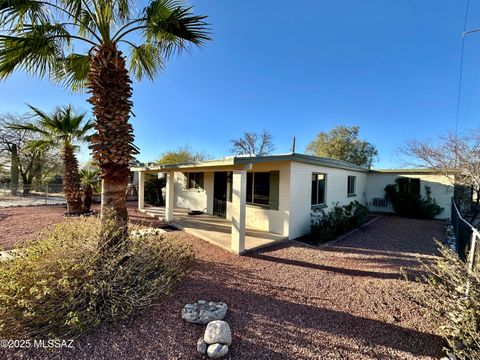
408	185
351	185
194	180
318	189
258	188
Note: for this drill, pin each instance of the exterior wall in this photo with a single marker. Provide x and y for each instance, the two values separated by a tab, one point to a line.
335	191
262	218
194	199
440	185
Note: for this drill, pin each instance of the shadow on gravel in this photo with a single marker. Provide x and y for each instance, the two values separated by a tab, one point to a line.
260	307
344	271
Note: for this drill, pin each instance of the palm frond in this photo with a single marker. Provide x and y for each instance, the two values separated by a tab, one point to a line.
35	50
167	22
72	71
19	12
40	145
146	60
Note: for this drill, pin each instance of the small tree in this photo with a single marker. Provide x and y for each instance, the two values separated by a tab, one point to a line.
343	143
183	154
253	144
90	180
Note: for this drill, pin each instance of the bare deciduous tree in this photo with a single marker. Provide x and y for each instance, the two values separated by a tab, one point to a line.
24	164
456	157
253	144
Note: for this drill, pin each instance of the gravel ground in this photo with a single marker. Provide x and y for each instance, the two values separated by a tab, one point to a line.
346	300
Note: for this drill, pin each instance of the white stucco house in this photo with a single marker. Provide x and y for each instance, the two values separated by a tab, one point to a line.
272	197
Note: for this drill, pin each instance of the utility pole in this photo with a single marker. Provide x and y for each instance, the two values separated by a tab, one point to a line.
293	144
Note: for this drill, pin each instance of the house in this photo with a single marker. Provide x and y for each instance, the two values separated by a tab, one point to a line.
249	202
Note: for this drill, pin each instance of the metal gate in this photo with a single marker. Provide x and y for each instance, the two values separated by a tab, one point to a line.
220	207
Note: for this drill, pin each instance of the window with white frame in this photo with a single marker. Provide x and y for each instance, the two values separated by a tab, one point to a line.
318	188
351	185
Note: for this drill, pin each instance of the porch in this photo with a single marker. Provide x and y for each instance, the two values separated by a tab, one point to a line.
214	229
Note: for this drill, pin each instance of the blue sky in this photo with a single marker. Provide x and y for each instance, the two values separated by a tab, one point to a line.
297	68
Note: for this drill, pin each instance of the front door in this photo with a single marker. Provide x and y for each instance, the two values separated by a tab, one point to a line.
220	194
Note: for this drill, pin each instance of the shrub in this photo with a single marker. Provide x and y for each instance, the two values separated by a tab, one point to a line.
328	225
410	203
61	284
447	297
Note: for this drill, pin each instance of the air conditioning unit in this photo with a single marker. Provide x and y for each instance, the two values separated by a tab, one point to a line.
380	202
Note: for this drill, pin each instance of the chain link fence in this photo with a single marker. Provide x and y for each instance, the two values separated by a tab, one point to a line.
31	194
467	238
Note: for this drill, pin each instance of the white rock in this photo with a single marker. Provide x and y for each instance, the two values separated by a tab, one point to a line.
202	312
216	351
202	346
218	331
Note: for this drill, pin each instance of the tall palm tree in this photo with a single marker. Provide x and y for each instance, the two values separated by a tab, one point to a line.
81	43
61	129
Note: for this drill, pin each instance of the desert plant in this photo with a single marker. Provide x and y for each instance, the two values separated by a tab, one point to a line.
90	181
60	284
327	225
407	201
83	44
453	294
61	129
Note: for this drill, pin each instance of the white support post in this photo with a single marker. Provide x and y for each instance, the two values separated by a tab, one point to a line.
141	190
238	210
169	196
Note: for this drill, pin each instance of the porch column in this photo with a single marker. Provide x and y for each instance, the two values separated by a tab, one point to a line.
169	196
238	212
141	190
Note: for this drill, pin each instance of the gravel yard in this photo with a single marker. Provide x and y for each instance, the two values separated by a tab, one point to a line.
345	300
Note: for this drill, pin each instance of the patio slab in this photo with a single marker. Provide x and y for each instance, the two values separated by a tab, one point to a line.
214	229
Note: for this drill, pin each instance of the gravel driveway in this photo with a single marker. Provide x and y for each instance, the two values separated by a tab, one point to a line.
346	300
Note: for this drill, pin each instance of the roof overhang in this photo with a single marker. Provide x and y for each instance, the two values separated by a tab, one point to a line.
246	163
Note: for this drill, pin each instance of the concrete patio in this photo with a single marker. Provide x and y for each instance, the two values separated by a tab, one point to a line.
214	229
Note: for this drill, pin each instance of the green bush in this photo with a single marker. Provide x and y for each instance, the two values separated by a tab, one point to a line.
448	298
410	203
61	284
328	225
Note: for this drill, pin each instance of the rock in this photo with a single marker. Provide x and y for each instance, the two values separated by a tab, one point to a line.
216	351
218	331
202	312
202	346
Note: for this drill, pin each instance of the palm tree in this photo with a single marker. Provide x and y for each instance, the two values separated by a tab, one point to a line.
61	129
90	180
81	43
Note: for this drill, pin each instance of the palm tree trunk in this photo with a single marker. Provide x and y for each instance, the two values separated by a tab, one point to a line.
112	144
87	198
14	170
71	181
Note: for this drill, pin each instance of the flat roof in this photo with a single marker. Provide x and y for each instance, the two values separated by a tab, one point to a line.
406	171
232	161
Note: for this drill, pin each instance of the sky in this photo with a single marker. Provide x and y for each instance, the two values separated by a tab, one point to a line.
298	68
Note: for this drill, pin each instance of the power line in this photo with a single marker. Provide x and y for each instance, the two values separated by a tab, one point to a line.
459	93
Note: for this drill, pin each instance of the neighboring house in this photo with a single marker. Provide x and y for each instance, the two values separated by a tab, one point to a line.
277	193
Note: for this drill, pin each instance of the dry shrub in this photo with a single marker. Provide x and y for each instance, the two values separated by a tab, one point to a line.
447	296
61	284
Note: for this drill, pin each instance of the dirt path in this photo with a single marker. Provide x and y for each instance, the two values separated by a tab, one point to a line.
344	301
